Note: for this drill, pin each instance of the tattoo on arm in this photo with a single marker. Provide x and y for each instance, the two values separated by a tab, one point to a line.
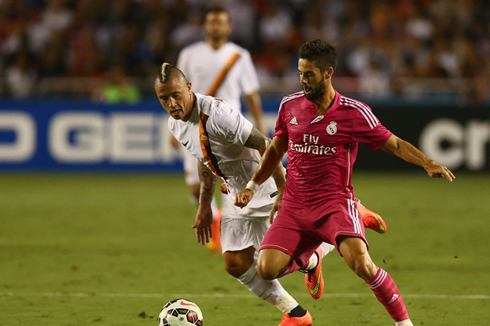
257	141
208	181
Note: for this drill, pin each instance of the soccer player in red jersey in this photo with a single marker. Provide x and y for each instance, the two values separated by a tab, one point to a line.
320	130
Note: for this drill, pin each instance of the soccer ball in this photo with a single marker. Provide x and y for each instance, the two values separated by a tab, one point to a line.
180	312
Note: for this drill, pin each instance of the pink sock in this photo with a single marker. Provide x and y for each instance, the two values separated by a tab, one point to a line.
387	293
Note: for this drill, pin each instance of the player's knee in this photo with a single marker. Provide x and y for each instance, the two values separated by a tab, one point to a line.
266	269
236	268
266	272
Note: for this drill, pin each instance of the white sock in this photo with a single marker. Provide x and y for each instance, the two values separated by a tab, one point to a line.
406	322
326	248
313	261
270	291
286	303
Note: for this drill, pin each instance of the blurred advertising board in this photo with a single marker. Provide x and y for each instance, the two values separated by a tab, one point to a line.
61	135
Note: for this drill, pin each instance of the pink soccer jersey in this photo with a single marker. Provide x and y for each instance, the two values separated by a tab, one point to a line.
322	150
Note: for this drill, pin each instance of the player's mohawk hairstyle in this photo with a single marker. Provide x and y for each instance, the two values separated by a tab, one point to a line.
164	72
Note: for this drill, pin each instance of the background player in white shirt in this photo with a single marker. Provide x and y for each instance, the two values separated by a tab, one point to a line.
228	145
225	70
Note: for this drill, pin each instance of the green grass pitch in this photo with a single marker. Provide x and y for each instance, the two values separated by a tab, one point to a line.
113	249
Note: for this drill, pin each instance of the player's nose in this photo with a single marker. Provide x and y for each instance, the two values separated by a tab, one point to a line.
171	103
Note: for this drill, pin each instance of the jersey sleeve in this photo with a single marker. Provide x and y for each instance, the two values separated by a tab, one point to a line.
368	130
230	124
249	81
281	130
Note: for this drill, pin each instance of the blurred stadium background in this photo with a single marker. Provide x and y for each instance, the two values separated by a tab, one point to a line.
76	77
99	231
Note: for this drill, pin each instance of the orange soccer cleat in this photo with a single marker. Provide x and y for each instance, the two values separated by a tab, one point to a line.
306	320
314	277
372	220
214	243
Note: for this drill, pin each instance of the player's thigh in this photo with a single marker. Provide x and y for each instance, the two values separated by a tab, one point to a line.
273	261
293	236
356	255
337	219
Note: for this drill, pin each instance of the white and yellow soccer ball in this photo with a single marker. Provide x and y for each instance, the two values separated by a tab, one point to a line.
180	312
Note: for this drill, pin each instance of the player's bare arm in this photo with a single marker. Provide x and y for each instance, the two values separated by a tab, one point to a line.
257	141
254	106
204	216
260	142
411	154
268	164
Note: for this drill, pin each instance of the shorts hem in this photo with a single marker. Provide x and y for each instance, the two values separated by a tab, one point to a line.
276	247
350	234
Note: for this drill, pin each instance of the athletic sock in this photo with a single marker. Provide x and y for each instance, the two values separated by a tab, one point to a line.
297	312
313	261
406	322
387	293
326	248
287	304
270	291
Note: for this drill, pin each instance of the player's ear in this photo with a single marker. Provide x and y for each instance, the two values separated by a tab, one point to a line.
328	73
189	86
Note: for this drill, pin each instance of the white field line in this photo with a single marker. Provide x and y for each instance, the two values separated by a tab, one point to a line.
221	295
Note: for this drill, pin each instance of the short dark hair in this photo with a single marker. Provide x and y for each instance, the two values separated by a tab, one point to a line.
216	9
322	53
165	71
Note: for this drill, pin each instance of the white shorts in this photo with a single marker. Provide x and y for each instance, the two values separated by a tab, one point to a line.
239	234
190	168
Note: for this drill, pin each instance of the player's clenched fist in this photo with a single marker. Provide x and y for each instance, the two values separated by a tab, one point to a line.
244	197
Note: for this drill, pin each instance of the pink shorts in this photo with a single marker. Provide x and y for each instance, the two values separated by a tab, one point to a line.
298	232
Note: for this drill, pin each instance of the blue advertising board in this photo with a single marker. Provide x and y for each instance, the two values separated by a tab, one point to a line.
85	136
81	135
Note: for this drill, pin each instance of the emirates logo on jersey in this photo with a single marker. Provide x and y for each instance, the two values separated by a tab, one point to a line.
332	128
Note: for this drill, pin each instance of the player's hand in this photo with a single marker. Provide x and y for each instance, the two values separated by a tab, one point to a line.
244	197
439	171
204	220
276	207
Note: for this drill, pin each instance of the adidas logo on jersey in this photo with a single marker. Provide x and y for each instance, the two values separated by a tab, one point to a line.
293	121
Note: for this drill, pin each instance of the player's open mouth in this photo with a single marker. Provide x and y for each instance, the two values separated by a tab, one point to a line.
307	89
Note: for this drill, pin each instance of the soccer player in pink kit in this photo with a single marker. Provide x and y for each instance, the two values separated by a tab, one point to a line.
320	130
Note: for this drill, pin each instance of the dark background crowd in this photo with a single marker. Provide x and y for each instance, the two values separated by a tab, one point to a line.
75	47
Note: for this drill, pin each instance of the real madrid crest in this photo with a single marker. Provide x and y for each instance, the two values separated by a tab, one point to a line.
332	128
